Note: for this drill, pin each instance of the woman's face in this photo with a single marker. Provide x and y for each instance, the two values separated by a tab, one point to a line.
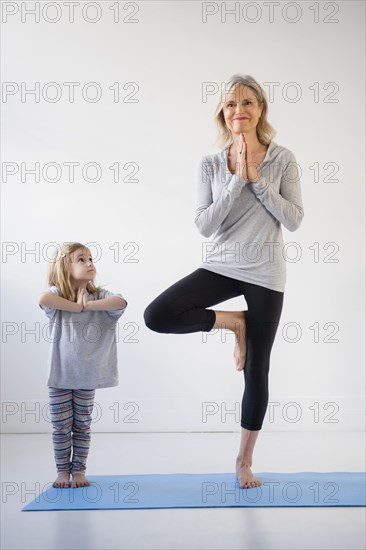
82	268
241	110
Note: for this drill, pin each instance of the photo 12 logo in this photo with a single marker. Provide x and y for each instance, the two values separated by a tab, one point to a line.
68	92
290	92
70	12
269	12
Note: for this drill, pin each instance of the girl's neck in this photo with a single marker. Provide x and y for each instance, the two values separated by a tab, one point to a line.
78	287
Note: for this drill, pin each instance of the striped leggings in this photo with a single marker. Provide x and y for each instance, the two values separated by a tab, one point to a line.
71	418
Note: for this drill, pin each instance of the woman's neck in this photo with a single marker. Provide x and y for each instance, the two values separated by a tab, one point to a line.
255	145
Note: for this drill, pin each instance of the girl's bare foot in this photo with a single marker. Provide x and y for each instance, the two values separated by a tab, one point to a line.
63	480
79	480
244	474
240	350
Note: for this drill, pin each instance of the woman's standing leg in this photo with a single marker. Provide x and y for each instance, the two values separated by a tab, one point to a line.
262	320
83	403
61	417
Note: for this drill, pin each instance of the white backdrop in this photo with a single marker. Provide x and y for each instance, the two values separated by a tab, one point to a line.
167	61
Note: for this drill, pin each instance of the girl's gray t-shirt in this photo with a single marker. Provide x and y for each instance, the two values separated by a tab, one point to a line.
83	350
242	220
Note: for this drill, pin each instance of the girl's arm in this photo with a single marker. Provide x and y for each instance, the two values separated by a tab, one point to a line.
49	299
106	304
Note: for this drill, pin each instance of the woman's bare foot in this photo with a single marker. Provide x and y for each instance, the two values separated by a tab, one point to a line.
79	480
244	474
62	481
235	321
240	349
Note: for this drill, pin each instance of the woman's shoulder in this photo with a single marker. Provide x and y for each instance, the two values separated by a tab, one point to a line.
278	149
212	159
273	147
215	156
275	153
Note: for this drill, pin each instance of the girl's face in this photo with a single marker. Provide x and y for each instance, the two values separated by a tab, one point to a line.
241	110
82	269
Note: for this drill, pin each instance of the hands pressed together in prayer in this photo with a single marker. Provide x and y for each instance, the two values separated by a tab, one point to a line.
82	298
246	168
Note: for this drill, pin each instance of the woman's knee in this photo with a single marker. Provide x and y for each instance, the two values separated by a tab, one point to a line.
154	318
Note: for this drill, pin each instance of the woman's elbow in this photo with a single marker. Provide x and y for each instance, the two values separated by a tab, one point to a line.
201	228
295	223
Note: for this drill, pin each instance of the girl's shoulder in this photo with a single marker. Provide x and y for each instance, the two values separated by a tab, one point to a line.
53	289
100	294
104	293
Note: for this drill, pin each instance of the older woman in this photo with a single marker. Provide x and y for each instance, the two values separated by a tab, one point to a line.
244	193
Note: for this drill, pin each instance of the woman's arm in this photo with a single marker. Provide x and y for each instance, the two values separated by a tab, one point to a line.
210	214
285	206
49	299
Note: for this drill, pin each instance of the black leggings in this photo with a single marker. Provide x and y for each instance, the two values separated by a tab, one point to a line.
181	309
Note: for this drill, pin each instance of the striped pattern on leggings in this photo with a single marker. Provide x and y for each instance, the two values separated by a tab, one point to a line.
71	418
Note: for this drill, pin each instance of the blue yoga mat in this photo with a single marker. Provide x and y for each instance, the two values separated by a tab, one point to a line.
206	491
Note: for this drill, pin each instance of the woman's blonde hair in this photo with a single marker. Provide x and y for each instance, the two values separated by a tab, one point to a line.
59	272
265	132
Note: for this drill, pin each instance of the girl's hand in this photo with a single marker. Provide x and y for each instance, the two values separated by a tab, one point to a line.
85	300
80	298
246	167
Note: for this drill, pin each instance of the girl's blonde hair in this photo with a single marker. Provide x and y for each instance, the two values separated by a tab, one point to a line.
59	272
265	132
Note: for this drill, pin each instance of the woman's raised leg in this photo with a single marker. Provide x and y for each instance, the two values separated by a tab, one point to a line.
181	308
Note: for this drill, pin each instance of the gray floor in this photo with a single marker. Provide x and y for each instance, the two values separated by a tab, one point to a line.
27	461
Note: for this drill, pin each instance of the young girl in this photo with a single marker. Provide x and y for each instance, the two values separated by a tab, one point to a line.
82	357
